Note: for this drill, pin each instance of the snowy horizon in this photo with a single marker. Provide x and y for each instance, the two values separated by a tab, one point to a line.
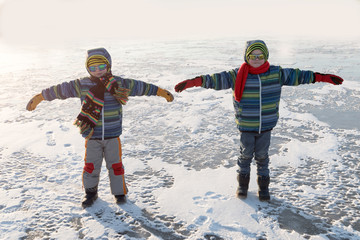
54	22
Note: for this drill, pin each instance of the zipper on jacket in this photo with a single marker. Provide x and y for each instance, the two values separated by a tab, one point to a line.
103	123
260	100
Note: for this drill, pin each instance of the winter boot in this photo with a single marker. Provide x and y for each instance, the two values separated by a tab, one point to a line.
90	197
242	190
120	199
263	182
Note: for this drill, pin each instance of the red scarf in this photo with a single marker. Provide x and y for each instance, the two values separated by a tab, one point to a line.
242	74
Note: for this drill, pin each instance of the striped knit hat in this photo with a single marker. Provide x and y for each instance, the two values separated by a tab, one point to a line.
98	56
253	45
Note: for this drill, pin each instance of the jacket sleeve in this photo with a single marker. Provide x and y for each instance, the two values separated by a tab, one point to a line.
295	77
63	91
139	88
219	81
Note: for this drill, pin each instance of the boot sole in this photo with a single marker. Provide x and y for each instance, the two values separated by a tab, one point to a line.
88	204
121	200
241	196
264	199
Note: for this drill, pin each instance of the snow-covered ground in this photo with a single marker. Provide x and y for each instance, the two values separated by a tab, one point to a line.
180	157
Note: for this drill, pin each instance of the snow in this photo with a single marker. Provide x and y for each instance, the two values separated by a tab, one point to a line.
180	157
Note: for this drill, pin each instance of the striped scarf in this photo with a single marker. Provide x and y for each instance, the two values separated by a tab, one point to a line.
94	102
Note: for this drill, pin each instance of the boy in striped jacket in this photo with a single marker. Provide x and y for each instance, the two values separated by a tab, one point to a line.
257	89
100	119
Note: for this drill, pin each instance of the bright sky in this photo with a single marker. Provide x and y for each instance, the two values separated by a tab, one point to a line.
67	20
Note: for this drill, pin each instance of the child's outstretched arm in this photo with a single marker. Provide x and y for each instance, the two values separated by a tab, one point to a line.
34	101
140	88
294	77
195	82
329	78
60	91
217	81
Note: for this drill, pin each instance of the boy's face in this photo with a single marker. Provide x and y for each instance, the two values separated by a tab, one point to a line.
257	62
98	73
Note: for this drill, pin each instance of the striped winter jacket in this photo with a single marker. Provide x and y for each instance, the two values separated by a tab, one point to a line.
258	109
110	122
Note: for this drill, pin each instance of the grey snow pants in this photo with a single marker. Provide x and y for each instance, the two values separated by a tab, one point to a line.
110	150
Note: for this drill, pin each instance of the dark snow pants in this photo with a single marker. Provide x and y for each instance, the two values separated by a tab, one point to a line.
256	145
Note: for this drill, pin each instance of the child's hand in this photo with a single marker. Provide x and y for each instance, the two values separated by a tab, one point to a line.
34	102
333	79
195	82
165	94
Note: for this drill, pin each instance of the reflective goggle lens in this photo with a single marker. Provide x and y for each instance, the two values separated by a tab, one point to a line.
101	67
256	56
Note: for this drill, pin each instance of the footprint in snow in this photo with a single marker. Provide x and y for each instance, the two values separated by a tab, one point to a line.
50	138
64	128
200	220
209	196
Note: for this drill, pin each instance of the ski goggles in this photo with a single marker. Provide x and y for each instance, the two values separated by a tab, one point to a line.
101	67
256	56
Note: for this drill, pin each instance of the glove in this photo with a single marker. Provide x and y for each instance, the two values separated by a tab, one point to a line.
165	94
333	79
195	82
34	102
